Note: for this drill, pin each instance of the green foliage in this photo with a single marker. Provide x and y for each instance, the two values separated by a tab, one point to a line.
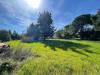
15	36
43	30
11	58
4	35
96	21
33	31
6	68
65	33
68	31
5	52
72	30
21	54
59	34
80	21
83	22
45	24
98	12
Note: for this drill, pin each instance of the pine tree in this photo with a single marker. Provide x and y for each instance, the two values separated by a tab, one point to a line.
45	25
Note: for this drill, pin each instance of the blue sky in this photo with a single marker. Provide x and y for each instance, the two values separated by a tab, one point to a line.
17	15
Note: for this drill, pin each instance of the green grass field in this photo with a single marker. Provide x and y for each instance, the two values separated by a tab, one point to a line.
61	57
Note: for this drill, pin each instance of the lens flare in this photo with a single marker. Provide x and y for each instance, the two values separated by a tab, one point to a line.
35	4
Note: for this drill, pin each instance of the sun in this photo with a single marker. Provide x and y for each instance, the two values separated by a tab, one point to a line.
35	4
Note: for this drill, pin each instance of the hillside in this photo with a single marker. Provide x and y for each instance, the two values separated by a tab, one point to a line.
61	57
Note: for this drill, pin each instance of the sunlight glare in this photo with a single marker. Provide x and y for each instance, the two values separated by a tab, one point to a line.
35	4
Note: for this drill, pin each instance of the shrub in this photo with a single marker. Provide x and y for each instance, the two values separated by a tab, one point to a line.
21	54
27	39
15	36
4	36
6	67
5	52
14	55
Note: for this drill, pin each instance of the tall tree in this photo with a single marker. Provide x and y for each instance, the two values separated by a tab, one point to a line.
59	34
15	36
45	25
98	12
96	21
68	31
33	31
81	20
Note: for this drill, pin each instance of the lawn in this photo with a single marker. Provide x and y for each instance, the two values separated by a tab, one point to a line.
61	57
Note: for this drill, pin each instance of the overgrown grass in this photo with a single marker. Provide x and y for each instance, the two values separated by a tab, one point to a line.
61	57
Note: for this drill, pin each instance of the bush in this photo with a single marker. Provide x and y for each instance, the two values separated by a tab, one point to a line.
6	67
4	36
27	39
5	52
12	58
15	36
90	35
21	54
18	53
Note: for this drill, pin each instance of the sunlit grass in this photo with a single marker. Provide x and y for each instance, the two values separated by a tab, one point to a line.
61	57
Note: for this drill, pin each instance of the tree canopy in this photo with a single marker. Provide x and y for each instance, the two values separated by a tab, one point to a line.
43	29
45	24
4	36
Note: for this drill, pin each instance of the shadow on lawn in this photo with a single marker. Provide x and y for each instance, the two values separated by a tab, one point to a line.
65	45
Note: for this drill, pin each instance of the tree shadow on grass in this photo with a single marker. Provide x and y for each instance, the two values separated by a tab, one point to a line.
65	45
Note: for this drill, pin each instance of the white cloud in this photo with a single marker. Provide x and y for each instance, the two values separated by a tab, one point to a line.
18	11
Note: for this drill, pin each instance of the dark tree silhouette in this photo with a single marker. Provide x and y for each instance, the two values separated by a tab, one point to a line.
96	21
45	25
81	20
15	36
33	31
